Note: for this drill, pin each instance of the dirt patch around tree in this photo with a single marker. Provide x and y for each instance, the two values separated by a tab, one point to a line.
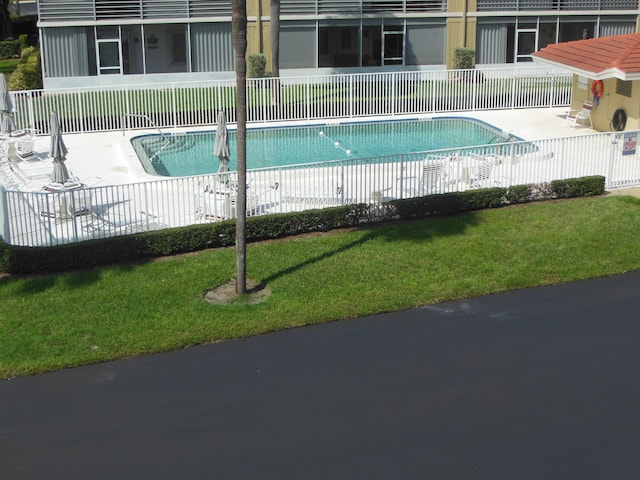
226	294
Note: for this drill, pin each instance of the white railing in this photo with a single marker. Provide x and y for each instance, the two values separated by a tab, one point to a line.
45	219
52	218
292	98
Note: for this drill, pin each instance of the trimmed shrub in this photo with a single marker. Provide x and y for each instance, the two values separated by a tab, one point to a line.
518	194
578	187
257	65
464	58
12	48
27	76
4	256
222	234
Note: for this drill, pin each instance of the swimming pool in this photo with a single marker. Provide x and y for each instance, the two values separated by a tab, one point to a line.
192	153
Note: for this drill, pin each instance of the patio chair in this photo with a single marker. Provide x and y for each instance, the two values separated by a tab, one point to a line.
480	175
65	205
314	197
24	147
431	181
213	206
581	116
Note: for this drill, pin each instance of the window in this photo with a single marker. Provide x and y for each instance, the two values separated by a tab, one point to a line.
623	87
338	46
178	47
582	82
393	44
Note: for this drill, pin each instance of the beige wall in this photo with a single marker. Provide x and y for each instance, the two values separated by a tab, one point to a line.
610	101
258	29
461	29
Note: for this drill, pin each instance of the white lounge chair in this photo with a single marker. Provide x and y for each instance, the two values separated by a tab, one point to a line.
480	175
307	196
212	206
581	116
431	180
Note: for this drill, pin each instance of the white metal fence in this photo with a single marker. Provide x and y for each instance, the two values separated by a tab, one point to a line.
292	98
52	218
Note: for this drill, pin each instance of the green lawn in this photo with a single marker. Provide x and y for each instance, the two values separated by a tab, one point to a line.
8	66
52	322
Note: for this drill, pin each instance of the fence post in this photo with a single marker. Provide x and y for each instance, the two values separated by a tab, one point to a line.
342	183
32	117
612	152
308	102
74	216
475	89
512	78
127	102
146	205
394	78
433	92
351	96
81	118
5	231
174	107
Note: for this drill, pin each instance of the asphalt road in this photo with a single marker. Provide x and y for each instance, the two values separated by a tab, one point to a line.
535	384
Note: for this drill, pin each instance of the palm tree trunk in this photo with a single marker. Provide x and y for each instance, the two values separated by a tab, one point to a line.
6	27
275	38
275	51
239	26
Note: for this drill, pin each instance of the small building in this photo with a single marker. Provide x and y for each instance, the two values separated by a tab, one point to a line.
606	72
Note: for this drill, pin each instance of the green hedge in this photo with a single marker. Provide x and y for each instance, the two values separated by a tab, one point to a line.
23	260
13	48
27	75
464	58
257	65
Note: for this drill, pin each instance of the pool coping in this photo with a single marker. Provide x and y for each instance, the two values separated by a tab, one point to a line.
148	165
108	158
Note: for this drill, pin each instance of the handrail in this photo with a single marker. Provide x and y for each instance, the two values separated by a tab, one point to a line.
167	139
147	118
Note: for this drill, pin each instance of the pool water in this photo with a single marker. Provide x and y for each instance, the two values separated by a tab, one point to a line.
192	153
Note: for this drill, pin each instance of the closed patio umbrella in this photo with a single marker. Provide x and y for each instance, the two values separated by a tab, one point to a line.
57	151
6	107
221	145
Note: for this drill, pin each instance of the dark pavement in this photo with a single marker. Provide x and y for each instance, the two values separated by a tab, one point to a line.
537	384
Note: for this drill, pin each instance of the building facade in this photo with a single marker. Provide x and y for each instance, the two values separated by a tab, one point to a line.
114	42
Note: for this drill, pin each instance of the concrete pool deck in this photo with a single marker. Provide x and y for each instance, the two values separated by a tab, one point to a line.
129	200
109	159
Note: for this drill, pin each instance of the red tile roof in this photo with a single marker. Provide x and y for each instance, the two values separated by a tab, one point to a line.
606	57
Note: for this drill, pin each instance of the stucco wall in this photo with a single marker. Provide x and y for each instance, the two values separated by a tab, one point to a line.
461	28
602	114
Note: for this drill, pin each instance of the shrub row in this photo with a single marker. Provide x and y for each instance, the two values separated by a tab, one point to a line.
23	260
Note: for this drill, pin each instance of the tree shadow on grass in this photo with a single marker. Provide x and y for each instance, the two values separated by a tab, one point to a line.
422	230
71	280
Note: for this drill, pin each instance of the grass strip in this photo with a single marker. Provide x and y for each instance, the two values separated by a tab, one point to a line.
58	321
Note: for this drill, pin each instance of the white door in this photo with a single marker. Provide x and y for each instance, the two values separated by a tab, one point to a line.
109	58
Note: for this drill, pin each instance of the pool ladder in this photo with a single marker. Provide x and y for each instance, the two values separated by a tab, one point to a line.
165	137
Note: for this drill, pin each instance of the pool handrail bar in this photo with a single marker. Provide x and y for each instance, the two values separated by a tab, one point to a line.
147	118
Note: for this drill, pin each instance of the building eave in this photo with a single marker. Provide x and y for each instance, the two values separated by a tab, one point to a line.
602	75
